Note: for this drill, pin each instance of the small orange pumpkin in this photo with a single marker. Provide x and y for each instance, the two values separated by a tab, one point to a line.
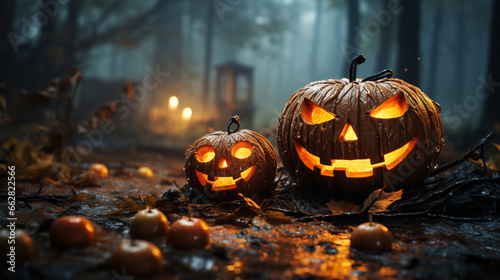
137	257
372	237
189	234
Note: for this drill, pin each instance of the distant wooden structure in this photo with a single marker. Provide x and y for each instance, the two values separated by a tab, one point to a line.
234	93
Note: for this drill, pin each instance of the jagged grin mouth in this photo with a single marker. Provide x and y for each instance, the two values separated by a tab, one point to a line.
356	168
224	183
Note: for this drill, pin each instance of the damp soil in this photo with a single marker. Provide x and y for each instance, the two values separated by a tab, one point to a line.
246	245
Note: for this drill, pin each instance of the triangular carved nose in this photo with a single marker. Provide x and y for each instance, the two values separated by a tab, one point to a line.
223	164
348	133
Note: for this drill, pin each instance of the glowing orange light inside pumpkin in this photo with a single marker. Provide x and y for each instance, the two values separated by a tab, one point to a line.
205	154
395	157
173	102
393	107
247	173
224	183
356	168
241	150
348	133
314	114
223	164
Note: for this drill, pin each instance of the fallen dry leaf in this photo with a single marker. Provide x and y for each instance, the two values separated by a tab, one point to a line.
166	181
129	90
103	112
252	204
131	205
151	201
122	172
32	162
380	201
260	221
343	206
41	98
4	116
277	217
126	206
86	179
493	163
496	146
49	182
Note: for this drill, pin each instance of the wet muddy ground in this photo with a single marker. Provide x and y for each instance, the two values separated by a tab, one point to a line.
248	247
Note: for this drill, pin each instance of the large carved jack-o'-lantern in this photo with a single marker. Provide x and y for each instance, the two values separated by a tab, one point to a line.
221	165
353	136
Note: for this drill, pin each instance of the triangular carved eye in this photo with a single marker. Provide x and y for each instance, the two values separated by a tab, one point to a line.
393	107
314	114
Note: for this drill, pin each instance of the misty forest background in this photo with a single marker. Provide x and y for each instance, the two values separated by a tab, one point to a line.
449	48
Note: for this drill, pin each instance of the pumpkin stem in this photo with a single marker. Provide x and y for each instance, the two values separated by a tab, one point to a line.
234	120
354	64
370	217
387	73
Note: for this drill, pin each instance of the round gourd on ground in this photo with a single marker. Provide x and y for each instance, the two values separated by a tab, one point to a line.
371	236
136	257
149	223
72	231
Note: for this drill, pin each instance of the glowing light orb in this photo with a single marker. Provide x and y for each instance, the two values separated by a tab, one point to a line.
186	113
173	102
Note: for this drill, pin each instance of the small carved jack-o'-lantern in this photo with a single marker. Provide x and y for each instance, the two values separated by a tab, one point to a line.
354	136
221	165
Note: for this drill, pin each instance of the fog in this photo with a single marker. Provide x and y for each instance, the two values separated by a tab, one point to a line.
443	47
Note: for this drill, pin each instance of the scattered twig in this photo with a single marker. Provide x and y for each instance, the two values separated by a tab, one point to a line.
175	183
350	216
469	154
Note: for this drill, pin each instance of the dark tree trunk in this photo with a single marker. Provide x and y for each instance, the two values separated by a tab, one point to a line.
315	43
72	42
385	43
352	22
168	47
459	53
42	60
6	50
291	61
491	117
337	59
283	67
409	41
209	34
434	53
52	56
188	39
175	45
188	46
